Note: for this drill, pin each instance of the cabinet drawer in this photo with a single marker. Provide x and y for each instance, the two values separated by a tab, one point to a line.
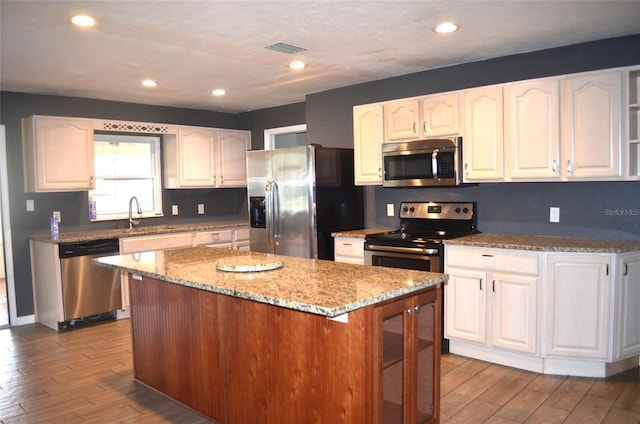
165	241
242	234
349	247
493	260
213	237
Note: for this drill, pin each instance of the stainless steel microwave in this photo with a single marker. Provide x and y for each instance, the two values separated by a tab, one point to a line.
422	163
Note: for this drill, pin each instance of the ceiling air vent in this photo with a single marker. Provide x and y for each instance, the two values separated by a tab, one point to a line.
285	48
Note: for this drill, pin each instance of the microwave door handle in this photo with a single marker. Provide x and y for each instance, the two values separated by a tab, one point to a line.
434	165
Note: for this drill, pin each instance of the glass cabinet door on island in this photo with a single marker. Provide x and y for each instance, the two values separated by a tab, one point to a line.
407	360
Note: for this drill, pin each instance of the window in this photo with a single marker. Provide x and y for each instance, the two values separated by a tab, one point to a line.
126	166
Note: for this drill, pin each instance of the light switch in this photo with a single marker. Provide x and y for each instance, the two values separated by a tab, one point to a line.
174	209
200	209
30	205
56	214
554	214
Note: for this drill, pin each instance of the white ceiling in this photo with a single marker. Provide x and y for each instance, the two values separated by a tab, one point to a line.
191	47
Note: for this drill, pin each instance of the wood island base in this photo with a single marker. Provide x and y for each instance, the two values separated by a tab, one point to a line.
240	361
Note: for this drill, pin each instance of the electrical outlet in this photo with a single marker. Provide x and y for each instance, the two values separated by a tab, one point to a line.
56	214
390	211
554	214
174	209
200	209
30	205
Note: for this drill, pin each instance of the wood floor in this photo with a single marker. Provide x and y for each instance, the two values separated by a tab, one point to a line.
85	376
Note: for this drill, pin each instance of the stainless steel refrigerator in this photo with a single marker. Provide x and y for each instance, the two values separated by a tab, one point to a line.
298	196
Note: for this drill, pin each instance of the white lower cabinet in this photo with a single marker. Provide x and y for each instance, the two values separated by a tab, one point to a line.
491	297
628	306
576	299
214	238
567	313
349	250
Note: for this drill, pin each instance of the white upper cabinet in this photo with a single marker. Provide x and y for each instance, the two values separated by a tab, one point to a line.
532	118
633	163
422	117
199	157
592	125
367	144
440	115
232	157
57	154
482	149
401	120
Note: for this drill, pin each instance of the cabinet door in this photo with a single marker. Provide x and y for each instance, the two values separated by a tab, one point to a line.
483	134
533	130
465	305
232	149
408	380
591	129
196	157
513	312
401	120
367	144
51	145
577	305
628	307
440	115
349	250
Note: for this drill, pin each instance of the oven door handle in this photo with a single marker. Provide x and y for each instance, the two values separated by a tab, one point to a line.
378	248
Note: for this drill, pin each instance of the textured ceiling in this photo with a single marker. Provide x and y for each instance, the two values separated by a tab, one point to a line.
192	47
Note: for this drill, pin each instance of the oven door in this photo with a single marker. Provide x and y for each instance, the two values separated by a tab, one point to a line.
406	258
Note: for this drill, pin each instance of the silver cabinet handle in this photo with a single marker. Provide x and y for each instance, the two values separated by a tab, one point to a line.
380	172
554	166
569	167
481	284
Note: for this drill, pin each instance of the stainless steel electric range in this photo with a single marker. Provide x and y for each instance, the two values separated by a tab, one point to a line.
418	243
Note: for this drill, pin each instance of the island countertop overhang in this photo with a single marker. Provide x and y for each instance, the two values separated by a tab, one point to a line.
308	285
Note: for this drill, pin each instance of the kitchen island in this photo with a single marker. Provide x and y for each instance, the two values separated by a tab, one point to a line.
302	341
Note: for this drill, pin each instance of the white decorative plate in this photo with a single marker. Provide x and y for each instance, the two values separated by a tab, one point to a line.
256	267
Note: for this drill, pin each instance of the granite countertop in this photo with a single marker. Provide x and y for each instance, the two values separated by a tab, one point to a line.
545	243
361	233
321	287
76	236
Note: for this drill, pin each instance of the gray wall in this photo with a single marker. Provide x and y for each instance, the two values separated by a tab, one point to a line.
587	209
275	117
219	203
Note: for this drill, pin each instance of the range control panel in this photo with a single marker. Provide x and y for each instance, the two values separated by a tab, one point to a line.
438	210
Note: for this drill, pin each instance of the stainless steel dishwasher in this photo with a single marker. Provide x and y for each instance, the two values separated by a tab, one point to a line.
90	293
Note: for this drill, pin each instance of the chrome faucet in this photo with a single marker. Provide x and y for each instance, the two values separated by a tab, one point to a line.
134	222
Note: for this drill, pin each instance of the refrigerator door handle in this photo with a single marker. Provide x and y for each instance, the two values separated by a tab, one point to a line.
269	210
276	210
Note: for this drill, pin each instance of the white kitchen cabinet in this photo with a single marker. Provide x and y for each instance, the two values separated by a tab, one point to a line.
349	250
532	116
422	117
57	154
367	144
241	239
199	157
232	157
214	238
440	115
401	120
592	125
491	297
483	145
576	296
628	306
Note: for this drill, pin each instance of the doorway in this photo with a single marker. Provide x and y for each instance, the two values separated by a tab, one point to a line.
7	299
291	136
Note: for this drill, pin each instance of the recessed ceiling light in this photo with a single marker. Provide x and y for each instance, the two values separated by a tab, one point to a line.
297	64
83	21
218	92
149	83
446	28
